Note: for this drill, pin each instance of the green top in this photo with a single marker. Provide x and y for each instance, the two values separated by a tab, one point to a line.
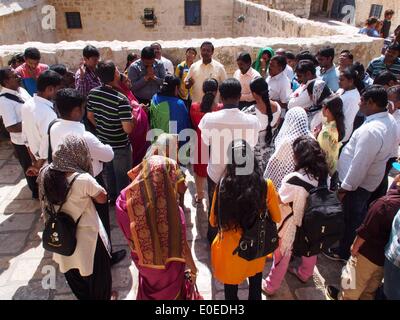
257	63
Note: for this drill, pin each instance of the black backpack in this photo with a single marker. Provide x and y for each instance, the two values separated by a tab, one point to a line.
257	241
59	235
323	220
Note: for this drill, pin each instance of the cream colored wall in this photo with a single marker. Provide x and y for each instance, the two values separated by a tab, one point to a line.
266	22
25	25
300	8
363	8
120	20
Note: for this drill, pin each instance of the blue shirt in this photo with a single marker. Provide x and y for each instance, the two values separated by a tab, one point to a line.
330	77
392	251
369	32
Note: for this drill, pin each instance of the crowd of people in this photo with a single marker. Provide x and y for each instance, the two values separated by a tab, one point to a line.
103	137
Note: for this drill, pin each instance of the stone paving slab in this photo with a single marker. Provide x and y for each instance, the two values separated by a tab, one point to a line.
10	173
16	222
12	243
19	206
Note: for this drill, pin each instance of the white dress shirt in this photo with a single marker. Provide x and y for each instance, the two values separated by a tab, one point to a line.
200	72
169	67
10	111
280	87
351	100
245	80
99	152
362	162
289	72
37	113
219	129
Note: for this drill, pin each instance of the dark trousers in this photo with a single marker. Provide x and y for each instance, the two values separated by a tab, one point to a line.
211	232
103	208
245	104
98	285
383	186
117	171
231	291
355	207
25	161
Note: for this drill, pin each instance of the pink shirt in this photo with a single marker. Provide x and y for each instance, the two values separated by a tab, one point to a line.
245	80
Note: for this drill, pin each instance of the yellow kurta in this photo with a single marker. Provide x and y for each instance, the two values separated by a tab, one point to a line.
229	268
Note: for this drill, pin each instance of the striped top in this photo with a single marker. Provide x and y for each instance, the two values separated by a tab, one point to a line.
110	109
377	65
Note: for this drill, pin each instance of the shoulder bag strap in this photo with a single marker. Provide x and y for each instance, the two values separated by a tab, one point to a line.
12	97
301	183
67	193
50	149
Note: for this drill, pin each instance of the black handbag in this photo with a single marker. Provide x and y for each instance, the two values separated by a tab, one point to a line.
59	234
257	241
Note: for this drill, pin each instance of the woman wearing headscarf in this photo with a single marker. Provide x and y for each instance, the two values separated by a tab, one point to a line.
154	225
261	64
282	161
88	270
318	91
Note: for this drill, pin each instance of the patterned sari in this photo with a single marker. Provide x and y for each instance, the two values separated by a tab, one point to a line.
154	225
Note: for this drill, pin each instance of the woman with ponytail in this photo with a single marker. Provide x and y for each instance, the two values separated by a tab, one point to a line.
268	112
351	84
197	112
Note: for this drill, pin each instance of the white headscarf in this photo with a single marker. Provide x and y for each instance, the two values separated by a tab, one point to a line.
282	162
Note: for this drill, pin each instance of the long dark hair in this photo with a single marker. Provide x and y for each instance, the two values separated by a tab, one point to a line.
335	106
169	86
210	87
310	157
55	186
356	72
241	197
260	87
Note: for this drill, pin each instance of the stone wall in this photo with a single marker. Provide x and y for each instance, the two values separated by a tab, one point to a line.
300	8
226	50
120	20
266	22
22	22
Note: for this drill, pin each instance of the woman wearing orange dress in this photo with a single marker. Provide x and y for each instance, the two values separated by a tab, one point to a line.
238	199
197	112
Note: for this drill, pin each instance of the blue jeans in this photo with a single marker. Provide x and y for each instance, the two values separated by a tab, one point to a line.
117	177
355	206
391	285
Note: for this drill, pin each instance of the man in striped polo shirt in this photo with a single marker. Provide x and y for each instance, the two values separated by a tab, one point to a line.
389	62
111	114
